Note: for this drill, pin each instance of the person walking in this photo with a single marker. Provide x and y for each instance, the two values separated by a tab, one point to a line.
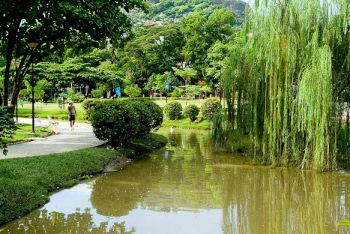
72	112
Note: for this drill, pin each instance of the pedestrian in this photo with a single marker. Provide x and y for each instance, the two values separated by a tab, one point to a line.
21	102
72	112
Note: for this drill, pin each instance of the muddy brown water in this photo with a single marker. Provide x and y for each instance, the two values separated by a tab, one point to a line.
192	187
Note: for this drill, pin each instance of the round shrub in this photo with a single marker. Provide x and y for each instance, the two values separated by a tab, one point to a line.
210	108
156	113
173	110
88	106
191	111
144	116
115	121
120	120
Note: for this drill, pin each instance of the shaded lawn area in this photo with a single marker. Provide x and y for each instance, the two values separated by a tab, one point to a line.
26	183
24	132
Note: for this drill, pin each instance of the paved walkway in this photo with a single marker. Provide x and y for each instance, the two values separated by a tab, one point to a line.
82	137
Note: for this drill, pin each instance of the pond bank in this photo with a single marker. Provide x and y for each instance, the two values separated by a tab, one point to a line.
191	181
26	183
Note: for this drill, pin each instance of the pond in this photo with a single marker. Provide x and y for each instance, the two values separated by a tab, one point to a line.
192	187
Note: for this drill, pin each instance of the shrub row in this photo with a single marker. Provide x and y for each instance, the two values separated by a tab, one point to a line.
117	121
209	109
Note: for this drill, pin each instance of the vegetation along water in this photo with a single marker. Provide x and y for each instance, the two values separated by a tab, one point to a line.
286	83
192	187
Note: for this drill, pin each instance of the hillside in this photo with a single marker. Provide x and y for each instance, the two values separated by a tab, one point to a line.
173	10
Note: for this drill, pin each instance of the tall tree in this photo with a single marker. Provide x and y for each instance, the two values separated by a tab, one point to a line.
50	23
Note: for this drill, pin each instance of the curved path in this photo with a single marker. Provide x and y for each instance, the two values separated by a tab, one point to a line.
82	137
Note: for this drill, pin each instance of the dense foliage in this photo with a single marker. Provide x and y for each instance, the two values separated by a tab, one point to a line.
88	105
173	110
188	53
117	121
7	127
288	76
210	108
191	111
50	25
172	11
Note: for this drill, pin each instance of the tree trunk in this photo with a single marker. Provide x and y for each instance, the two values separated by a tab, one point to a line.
9	57
20	75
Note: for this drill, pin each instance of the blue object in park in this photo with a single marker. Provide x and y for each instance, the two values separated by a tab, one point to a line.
167	86
118	91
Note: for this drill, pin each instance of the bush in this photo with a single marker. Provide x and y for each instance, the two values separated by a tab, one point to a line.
7	126
114	121
156	114
176	93
210	108
191	111
74	96
120	120
173	110
133	91
88	106
97	93
150	115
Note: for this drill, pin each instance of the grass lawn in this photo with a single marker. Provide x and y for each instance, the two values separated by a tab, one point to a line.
50	109
24	133
26	183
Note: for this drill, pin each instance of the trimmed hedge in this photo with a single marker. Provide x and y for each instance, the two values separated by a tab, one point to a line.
210	108
119	120
173	110
88	106
191	111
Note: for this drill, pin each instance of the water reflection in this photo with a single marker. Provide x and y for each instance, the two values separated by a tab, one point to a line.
78	222
190	187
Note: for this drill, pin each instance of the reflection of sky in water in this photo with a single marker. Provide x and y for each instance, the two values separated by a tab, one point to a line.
141	219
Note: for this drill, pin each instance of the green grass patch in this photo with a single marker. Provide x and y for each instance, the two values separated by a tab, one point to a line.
187	124
24	132
50	109
26	183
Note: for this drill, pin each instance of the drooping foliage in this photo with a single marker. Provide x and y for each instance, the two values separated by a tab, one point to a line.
287	79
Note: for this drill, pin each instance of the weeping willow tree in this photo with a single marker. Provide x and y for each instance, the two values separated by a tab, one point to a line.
286	77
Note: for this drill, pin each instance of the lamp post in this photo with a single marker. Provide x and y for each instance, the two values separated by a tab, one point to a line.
16	66
32	46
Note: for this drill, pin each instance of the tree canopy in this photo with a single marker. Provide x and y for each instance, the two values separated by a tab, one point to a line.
51	25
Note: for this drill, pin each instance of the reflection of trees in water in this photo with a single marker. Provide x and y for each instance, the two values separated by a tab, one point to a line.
118	193
254	199
262	200
186	183
79	222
